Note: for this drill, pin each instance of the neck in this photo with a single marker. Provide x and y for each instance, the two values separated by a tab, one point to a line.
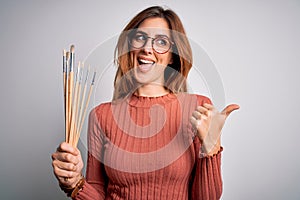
151	90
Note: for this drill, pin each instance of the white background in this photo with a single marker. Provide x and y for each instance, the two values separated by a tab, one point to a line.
255	46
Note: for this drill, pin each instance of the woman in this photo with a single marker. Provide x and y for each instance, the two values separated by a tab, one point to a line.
153	141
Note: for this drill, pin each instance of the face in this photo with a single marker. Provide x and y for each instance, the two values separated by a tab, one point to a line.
150	63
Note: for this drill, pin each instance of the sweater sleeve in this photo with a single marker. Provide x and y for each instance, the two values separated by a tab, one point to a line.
206	176
95	185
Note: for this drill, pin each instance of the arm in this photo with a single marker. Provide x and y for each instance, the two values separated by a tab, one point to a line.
208	123
96	179
206	177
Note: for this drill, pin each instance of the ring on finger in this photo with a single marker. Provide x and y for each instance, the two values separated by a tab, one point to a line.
66	179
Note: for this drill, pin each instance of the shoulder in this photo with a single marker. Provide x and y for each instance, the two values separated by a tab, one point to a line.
100	110
203	99
200	99
102	106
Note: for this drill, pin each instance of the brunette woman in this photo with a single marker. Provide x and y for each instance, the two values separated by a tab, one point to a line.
154	140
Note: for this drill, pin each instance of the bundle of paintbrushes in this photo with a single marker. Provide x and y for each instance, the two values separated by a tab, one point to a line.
75	99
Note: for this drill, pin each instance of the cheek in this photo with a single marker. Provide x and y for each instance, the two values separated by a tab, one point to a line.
165	58
133	57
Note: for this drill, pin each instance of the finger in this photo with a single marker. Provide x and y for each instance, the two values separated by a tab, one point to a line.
68	182
67	179
64	165
66	147
229	109
64	173
208	106
196	115
195	122
203	110
65	157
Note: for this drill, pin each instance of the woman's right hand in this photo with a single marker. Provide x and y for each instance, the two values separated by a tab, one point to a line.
67	165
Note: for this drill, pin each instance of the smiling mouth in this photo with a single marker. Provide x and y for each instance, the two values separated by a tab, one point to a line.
145	65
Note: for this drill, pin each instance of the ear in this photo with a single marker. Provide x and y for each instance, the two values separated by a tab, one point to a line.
171	60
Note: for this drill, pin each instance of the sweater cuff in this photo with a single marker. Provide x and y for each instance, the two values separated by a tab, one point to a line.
88	192
204	155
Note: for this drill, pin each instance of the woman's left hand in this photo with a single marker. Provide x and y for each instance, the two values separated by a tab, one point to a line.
208	122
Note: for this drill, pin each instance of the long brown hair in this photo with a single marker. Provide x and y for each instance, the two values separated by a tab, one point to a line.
175	74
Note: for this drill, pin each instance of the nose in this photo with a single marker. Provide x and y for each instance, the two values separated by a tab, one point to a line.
148	46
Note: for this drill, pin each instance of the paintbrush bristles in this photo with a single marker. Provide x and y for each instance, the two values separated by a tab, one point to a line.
72	58
75	100
68	55
72	48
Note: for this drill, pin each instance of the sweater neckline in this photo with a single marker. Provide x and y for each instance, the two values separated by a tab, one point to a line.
144	101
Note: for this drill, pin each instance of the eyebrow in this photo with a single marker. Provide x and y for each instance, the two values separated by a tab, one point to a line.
157	35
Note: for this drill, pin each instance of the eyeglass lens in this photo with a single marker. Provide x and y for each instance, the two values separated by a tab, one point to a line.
160	44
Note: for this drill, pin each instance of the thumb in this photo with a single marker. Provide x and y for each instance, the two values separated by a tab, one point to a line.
229	109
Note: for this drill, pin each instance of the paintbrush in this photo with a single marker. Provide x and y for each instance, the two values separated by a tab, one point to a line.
75	100
70	88
85	108
66	94
83	98
74	105
78	99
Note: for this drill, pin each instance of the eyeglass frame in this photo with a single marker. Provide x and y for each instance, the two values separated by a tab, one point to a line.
130	37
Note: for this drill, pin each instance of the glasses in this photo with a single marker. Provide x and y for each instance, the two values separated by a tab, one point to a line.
160	44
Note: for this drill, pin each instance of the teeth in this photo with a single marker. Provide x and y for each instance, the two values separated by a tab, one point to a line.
146	61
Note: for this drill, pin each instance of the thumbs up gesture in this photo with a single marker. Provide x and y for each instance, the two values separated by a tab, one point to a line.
208	122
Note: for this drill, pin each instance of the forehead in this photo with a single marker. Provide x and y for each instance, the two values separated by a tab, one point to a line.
155	26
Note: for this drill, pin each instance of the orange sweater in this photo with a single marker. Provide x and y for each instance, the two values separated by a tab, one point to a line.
145	148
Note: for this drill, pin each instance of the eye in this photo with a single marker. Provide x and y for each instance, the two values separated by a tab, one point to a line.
140	38
161	41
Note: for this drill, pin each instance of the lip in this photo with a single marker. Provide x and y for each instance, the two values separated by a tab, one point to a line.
145	58
145	67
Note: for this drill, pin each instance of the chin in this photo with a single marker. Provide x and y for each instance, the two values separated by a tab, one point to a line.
153	73
142	76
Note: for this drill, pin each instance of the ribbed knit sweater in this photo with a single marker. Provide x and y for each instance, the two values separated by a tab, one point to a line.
145	148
